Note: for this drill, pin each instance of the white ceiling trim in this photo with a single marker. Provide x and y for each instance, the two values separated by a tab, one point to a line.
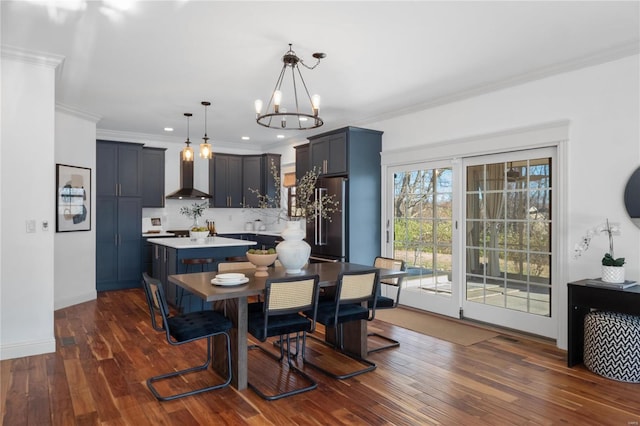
608	55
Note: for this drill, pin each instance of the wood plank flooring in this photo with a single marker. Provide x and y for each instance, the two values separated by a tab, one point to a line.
106	349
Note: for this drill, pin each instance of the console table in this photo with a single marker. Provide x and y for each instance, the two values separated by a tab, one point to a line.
582	298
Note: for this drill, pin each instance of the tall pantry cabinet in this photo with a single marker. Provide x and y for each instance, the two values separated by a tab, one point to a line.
118	215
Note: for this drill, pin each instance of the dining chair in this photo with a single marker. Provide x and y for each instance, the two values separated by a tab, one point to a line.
284	299
384	302
150	285
230	266
185	328
354	291
198	264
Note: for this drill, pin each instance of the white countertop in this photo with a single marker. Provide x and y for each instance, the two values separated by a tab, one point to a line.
186	243
157	234
272	233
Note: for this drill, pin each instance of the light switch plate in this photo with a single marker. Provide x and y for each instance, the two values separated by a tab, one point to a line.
31	226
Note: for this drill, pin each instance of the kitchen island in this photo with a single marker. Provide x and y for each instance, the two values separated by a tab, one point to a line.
167	256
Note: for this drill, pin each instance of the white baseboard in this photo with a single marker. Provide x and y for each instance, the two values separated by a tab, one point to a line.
77	298
22	349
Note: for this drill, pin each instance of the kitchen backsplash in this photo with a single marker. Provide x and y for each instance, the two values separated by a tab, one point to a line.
227	220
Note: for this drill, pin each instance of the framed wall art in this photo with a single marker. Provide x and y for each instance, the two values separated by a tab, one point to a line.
73	198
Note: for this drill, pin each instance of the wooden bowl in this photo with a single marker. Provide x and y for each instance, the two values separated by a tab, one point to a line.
261	261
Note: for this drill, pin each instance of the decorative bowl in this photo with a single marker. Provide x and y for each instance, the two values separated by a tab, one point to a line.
198	235
261	261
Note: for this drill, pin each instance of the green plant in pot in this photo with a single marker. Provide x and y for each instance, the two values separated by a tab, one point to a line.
612	267
608	260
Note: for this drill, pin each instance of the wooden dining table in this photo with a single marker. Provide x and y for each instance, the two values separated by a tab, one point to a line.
233	302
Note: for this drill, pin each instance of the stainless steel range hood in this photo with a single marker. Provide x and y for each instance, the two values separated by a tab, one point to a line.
187	191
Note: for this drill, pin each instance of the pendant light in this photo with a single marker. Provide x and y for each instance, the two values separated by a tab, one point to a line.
301	116
205	146
187	152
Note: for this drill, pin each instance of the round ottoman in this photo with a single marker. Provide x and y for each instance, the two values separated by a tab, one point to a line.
612	345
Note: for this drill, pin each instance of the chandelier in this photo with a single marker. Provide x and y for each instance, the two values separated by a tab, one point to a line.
287	113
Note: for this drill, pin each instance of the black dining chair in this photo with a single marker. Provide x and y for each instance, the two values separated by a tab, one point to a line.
354	291
279	315
185	328
384	302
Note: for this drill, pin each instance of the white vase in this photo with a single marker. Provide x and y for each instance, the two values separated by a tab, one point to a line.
613	274
293	252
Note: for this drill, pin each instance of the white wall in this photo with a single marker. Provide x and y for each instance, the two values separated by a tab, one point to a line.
27	192
75	252
602	105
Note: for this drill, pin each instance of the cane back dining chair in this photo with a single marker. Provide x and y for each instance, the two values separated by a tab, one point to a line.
279	315
385	302
354	300
185	328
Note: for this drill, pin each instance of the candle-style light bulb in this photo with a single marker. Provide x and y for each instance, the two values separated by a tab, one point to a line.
258	106
283	119
277	99
315	103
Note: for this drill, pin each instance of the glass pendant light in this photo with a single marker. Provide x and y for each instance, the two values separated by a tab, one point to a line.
187	152
205	146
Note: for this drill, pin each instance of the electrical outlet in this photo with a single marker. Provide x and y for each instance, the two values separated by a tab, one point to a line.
31	226
45	225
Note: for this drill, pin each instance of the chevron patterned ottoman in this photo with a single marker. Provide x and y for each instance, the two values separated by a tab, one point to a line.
612	345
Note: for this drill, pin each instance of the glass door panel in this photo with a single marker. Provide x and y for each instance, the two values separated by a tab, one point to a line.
508	240
423	236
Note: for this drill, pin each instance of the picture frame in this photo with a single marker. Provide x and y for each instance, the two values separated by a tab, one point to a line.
73	198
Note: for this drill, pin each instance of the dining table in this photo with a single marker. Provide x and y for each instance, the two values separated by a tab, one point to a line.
232	301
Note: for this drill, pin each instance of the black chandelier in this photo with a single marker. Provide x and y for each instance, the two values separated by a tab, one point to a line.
276	115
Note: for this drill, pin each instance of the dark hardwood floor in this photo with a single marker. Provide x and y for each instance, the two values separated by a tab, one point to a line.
106	349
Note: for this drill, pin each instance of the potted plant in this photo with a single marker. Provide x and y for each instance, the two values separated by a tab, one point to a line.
612	267
195	212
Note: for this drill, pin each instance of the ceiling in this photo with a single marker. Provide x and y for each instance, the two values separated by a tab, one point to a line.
140	68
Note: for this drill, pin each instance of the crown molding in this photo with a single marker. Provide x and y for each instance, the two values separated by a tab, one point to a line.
609	55
49	60
78	113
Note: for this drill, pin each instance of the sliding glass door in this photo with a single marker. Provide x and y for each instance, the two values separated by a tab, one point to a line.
476	236
423	235
508	240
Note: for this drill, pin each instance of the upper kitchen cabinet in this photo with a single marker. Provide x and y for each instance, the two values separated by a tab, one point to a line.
232	177
120	166
225	180
302	160
328	152
153	177
267	183
251	179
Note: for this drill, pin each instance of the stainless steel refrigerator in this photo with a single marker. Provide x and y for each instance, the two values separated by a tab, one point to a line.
327	237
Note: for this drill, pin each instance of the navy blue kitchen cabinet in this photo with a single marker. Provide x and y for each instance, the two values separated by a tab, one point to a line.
225	180
354	153
329	153
118	215
153	177
231	178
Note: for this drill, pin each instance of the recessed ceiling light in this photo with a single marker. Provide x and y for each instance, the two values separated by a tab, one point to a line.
280	136
168	129
245	138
